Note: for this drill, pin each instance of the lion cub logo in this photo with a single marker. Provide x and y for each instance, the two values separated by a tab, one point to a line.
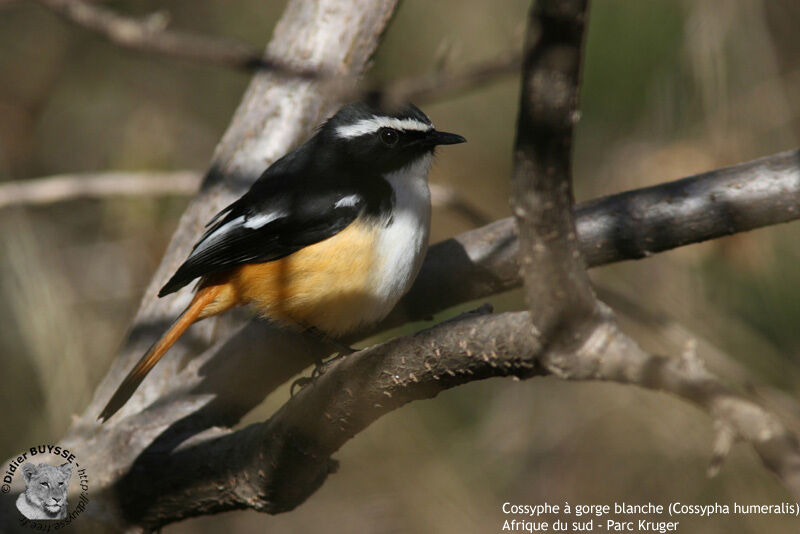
45	495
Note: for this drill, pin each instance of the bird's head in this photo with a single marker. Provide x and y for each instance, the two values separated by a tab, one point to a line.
383	140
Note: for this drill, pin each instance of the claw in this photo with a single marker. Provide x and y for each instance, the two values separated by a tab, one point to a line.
320	368
301	382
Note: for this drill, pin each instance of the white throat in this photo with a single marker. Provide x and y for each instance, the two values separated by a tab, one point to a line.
403	241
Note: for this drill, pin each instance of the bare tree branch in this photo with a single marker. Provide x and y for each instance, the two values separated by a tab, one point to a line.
444	84
275	114
173	425
631	225
275	465
582	338
100	185
150	34
557	288
64	187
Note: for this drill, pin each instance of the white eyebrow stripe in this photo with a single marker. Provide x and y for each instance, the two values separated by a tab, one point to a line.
372	125
349	200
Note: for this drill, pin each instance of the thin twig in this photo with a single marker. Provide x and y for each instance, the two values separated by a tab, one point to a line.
441	84
102	185
150	34
65	187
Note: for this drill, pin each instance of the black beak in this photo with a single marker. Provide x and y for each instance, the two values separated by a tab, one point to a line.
443	138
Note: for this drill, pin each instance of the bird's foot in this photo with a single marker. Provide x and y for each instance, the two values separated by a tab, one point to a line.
320	368
299	384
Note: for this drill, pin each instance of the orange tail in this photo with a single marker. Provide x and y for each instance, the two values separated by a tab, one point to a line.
192	313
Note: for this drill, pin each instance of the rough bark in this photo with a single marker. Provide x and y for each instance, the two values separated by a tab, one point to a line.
176	423
276	113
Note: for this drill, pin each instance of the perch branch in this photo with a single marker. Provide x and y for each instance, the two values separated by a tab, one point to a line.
176	417
275	465
275	114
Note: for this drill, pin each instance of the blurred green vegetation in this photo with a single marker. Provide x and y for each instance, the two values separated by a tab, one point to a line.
671	88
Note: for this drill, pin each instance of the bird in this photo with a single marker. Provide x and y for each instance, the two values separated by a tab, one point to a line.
328	238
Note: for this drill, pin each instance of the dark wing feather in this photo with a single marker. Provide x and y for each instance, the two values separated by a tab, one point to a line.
298	215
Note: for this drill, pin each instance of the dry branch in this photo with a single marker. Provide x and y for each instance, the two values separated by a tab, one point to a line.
275	465
150	34
557	288
275	114
580	335
178	419
440	84
64	187
474	265
102	185
630	225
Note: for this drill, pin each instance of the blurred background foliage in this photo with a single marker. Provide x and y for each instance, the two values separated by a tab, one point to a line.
670	88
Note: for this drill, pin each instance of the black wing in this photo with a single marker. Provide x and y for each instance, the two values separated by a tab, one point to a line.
277	217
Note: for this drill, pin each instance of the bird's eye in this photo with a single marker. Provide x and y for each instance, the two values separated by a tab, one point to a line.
388	136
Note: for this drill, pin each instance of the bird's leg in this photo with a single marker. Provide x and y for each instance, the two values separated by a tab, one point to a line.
342	350
319	335
320	365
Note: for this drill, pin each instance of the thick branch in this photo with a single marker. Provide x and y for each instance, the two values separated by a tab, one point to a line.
275	114
176	403
557	288
276	465
631	225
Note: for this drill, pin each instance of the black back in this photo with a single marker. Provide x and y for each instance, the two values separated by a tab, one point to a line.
308	195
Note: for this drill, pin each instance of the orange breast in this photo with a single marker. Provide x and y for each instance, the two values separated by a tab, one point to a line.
327	285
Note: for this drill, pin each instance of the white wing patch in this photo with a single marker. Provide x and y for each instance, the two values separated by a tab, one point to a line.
261	219
345	202
372	125
252	223
218	234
